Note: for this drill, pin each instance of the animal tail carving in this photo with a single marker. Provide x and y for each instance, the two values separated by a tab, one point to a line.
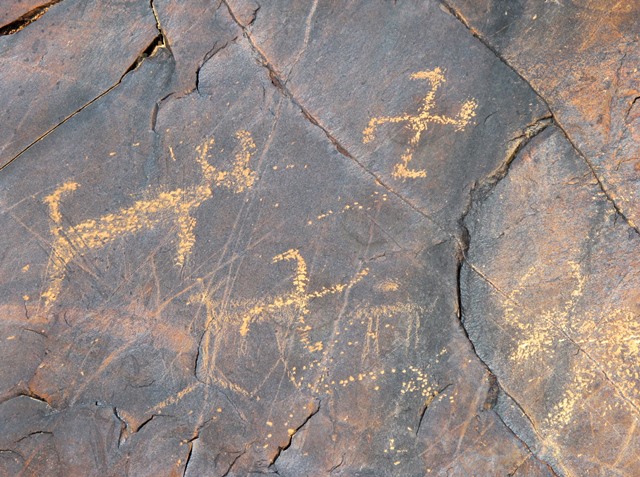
53	200
62	250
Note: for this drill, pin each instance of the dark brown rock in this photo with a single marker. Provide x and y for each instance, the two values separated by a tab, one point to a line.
194	32
77	51
583	58
549	301
239	253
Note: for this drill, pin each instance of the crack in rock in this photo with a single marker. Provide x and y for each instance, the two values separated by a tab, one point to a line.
482	188
476	34
427	405
479	192
27	19
164	40
149	51
292	435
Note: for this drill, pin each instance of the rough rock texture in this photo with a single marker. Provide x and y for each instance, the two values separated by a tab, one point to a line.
18	13
316	238
583	58
555	319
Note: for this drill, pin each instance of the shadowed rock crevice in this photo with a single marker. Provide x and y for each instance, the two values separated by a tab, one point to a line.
481	190
163	40
483	187
27	19
292	434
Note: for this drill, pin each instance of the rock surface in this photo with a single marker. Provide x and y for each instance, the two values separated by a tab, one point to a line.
311	238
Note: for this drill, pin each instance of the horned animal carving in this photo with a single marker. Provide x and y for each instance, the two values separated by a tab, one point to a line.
175	205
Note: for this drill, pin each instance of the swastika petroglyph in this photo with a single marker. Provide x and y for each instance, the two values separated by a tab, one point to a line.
419	122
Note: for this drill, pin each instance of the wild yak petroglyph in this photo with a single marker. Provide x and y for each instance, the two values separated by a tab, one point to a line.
164	207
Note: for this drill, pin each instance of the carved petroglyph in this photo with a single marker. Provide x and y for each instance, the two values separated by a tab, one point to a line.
299	298
163	207
349	353
539	335
288	310
228	326
418	123
608	342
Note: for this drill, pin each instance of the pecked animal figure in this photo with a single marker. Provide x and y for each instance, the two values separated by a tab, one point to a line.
146	214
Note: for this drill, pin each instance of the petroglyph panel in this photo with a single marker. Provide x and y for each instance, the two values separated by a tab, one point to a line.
303	238
559	329
419	122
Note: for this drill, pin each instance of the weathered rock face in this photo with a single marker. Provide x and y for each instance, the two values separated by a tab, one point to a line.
237	247
551	304
76	52
583	57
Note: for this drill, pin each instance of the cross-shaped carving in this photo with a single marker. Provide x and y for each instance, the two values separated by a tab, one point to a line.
418	123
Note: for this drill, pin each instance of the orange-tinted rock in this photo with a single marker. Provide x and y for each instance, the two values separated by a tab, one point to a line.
550	303
583	58
239	253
